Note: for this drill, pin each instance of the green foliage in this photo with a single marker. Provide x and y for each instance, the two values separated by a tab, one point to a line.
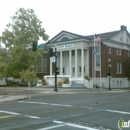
24	29
11	83
28	75
3	62
17	37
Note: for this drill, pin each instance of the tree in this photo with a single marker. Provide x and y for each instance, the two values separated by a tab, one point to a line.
18	37
3	64
28	75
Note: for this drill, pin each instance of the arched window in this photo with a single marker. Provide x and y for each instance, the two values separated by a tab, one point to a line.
64	39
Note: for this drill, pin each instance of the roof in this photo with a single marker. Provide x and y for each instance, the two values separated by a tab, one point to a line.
106	35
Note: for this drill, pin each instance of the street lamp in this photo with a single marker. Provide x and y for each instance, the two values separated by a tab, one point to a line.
109	66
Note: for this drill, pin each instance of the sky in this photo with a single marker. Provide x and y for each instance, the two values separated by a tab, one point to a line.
84	17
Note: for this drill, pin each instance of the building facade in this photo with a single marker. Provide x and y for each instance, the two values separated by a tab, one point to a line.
80	56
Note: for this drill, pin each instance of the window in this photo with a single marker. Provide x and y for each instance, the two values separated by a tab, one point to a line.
109	50
39	68
73	70
79	69
117	83
118	52
44	69
118	68
120	83
64	39
128	53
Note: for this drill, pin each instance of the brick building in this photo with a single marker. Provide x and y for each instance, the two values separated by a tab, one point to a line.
80	56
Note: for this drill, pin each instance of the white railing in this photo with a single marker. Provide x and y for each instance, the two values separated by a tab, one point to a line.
88	83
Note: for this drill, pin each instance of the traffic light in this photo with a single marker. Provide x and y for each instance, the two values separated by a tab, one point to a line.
57	71
34	46
51	52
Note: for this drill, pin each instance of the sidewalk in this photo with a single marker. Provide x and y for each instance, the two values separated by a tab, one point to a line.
50	90
12	98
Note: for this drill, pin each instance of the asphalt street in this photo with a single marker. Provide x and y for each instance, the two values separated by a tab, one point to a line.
72	109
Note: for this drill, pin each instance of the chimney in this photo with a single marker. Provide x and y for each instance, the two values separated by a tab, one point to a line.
123	27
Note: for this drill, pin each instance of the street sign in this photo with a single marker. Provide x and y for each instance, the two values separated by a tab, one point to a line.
40	46
53	59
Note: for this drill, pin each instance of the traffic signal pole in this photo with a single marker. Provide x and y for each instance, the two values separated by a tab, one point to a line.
51	53
55	89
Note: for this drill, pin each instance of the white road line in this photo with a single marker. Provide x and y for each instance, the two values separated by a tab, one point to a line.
79	126
62	105
67	124
59	122
59	92
52	127
74	125
120	112
14	113
34	117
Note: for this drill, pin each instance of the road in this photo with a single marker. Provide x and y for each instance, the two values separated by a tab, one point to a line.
65	110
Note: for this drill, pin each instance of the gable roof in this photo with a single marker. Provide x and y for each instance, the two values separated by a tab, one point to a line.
77	36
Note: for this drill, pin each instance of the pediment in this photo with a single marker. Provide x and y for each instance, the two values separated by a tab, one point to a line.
64	36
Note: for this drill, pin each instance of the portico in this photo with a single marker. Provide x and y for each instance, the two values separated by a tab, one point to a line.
72	56
73	62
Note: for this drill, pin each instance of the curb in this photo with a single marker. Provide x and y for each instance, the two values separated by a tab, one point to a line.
13	98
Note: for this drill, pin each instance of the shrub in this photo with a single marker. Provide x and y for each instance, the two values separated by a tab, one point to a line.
86	77
60	83
45	83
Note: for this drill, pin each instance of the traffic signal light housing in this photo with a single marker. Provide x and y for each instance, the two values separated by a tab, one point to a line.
57	71
34	46
51	52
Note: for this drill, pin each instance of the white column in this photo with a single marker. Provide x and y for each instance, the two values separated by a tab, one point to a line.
50	67
70	62
82	63
88	62
61	65
76	64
